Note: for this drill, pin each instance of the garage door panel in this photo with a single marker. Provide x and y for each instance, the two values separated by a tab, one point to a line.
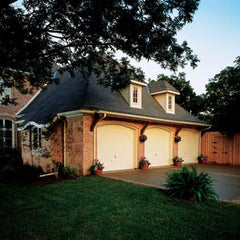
188	146
157	146
115	147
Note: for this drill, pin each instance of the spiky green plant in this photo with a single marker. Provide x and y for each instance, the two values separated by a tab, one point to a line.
189	185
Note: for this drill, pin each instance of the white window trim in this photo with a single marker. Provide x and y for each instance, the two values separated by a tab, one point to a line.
170	102
39	131
172	109
13	129
137	104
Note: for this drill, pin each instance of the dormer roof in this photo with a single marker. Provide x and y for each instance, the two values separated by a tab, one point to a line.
162	86
138	83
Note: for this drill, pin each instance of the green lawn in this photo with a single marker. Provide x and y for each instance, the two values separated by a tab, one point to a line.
99	208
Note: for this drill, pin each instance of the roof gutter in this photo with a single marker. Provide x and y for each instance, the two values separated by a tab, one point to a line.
33	124
144	118
105	113
71	113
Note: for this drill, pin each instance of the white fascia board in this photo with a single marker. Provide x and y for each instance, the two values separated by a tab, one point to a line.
165	91
144	118
70	114
19	121
33	124
138	83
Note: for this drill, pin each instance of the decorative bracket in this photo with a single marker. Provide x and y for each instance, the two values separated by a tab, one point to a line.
96	118
178	130
144	127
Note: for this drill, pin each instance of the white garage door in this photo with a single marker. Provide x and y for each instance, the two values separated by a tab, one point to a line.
158	146
188	146
116	147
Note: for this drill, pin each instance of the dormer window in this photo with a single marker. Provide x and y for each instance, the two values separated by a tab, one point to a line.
170	103
135	94
164	93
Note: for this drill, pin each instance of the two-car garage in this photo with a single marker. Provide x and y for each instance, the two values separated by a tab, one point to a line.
116	146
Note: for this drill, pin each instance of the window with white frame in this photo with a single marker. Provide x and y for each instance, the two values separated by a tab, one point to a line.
6	133
35	138
170	103
135	94
5	92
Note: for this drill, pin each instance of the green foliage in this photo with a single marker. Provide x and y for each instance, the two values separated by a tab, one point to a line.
88	33
66	172
13	169
144	162
28	173
186	184
10	162
223	99
23	174
97	165
188	99
177	159
10	158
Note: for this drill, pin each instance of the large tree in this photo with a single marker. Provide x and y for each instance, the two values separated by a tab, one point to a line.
188	99
223	99
87	33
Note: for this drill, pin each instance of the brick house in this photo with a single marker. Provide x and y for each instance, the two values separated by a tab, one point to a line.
86	121
8	127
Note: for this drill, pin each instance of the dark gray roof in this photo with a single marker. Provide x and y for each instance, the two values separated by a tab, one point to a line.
77	92
162	85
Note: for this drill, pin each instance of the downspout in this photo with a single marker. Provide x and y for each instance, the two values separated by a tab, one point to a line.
203	131
64	143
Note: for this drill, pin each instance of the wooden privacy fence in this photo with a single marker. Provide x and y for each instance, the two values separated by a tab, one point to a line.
220	149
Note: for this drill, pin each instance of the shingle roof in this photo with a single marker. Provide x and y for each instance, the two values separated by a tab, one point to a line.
162	85
77	92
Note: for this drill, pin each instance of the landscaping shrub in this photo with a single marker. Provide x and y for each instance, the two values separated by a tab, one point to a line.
10	161
13	169
10	158
28	173
66	172
190	185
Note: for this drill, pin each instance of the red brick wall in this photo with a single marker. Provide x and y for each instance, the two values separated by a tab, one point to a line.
74	142
9	111
40	157
57	143
88	144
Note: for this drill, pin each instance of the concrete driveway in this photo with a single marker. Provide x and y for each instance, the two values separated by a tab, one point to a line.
226	178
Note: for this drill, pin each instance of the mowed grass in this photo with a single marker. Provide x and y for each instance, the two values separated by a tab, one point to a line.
98	208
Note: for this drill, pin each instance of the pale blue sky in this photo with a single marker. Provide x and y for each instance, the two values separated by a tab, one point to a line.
214	35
